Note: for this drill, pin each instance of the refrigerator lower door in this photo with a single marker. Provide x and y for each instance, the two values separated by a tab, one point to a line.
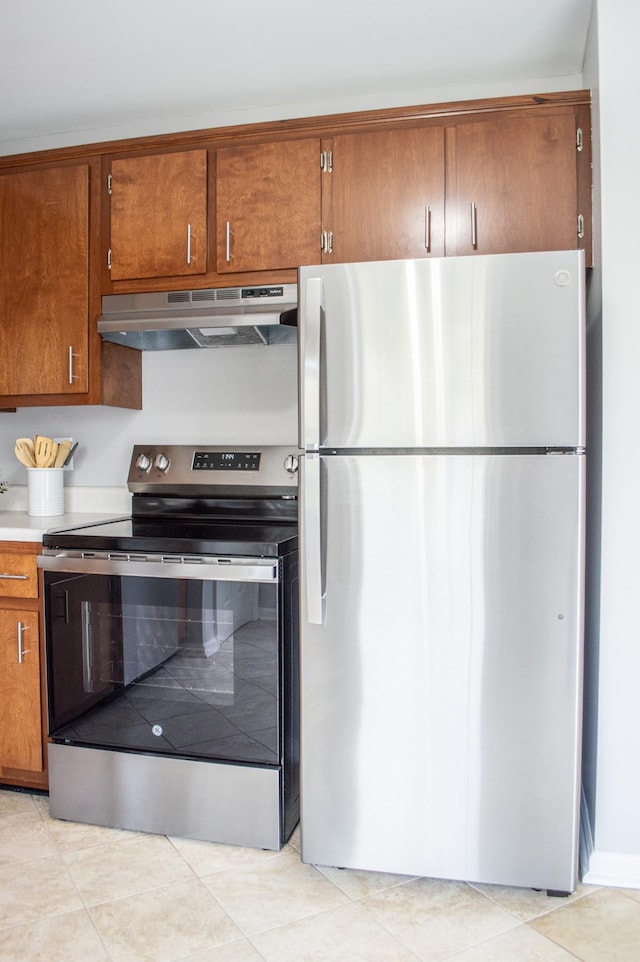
441	670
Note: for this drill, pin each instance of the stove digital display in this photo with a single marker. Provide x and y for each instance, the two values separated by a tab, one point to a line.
226	461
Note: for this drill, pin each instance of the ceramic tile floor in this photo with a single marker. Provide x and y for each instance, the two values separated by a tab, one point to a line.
80	893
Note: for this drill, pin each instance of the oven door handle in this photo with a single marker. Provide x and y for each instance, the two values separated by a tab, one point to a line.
194	569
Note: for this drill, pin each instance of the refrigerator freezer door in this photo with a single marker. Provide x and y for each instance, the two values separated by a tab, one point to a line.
441	692
483	351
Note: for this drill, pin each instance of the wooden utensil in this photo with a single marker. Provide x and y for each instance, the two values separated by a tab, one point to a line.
23	455
25	452
43	447
52	457
63	449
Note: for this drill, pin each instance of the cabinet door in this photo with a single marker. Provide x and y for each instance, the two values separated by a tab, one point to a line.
512	185
44	281
159	215
268	205
20	711
384	197
18	574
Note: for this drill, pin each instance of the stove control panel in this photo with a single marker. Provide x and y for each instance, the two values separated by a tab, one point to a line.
270	471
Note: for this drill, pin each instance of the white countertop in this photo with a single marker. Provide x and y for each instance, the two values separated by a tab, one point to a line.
83	505
19	526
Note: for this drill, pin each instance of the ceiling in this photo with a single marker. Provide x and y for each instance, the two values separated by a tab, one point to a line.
76	71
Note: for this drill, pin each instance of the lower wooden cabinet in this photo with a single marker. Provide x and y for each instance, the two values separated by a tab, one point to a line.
22	735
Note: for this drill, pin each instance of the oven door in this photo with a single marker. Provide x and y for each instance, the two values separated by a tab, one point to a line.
175	656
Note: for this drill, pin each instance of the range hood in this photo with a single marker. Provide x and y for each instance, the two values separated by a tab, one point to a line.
218	317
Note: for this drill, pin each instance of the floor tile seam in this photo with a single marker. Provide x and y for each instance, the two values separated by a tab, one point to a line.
562	903
251	936
126	836
21	816
621	891
98	933
45	918
406	880
160	888
517	923
52	826
260	859
550	938
211	874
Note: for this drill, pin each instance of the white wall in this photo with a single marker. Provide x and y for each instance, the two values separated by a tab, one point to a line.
210	396
616	856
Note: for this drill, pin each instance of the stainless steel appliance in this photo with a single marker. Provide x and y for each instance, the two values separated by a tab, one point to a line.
214	317
172	658
442	541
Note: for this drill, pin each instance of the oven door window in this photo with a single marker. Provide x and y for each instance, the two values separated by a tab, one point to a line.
177	667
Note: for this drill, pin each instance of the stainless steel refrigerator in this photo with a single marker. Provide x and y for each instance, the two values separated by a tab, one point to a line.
442	550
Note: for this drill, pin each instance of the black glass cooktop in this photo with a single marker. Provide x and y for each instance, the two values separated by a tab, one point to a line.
180	536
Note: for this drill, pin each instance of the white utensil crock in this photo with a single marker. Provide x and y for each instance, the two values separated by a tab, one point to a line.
45	491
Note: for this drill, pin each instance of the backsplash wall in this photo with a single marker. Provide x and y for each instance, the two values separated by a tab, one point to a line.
235	395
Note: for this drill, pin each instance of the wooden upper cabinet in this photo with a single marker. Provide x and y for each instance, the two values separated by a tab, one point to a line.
268	205
512	184
159	215
44	281
383	195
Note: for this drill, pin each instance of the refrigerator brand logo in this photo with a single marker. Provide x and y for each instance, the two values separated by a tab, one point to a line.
562	278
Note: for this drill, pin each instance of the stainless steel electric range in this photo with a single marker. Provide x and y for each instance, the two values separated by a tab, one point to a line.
172	650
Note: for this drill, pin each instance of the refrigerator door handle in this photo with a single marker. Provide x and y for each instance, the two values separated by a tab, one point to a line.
314	307
312	527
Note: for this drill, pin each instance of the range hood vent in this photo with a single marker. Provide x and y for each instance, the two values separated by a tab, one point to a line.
215	317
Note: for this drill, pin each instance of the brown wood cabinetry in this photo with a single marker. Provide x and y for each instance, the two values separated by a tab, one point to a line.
383	195
44	281
512	184
22	738
247	205
158	215
49	293
268	205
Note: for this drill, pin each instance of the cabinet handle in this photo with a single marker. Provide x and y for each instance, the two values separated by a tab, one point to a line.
228	242
21	651
427	229
72	376
188	243
474	225
15	577
326	242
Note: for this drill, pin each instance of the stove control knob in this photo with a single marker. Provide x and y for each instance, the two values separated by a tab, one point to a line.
162	462
291	464
143	462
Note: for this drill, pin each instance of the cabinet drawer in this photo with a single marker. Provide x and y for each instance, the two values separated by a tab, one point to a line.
18	575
